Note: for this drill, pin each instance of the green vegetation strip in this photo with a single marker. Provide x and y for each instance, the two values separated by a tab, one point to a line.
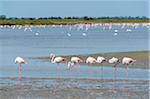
70	20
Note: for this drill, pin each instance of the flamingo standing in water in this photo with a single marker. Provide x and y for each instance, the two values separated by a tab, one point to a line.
75	60
126	61
57	59
114	61
101	60
20	61
91	60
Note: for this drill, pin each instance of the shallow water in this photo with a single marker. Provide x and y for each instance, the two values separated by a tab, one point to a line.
14	42
47	88
55	71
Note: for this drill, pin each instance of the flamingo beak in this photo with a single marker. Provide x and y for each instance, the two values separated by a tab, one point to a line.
134	60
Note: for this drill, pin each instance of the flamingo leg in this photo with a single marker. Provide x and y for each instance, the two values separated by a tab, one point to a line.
115	69
58	71
20	72
102	67
102	71
77	66
127	72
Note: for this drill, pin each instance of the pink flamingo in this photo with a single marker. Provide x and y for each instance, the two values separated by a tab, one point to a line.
91	60
114	61
75	60
20	61
58	59
101	60
126	61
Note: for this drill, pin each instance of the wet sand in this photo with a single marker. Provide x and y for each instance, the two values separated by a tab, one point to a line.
142	58
70	88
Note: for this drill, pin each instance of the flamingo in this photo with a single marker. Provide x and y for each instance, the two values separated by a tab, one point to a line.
115	34
116	31
91	60
68	34
57	59
128	30
114	61
20	61
100	59
36	34
84	34
76	60
126	61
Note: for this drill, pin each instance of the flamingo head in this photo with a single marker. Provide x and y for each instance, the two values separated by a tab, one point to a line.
51	55
131	61
16	62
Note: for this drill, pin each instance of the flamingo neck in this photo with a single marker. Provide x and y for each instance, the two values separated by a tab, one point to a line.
52	60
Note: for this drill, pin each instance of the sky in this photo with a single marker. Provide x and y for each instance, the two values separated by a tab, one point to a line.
79	8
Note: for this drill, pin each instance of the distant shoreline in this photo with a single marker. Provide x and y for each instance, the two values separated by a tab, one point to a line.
67	21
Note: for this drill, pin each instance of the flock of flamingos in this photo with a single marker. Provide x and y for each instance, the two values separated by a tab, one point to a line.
90	60
74	61
77	60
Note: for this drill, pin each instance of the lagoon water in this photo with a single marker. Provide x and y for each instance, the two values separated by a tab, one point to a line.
67	40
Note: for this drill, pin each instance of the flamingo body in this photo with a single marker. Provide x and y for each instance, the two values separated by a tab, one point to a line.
127	60
113	60
58	59
90	60
20	60
76	60
100	59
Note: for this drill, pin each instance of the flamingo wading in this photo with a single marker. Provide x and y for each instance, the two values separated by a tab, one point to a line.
20	61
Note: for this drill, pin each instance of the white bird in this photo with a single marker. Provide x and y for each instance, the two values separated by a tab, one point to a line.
57	59
100	59
128	30
115	34
20	61
91	60
116	31
114	61
36	34
68	34
127	60
83	34
76	60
